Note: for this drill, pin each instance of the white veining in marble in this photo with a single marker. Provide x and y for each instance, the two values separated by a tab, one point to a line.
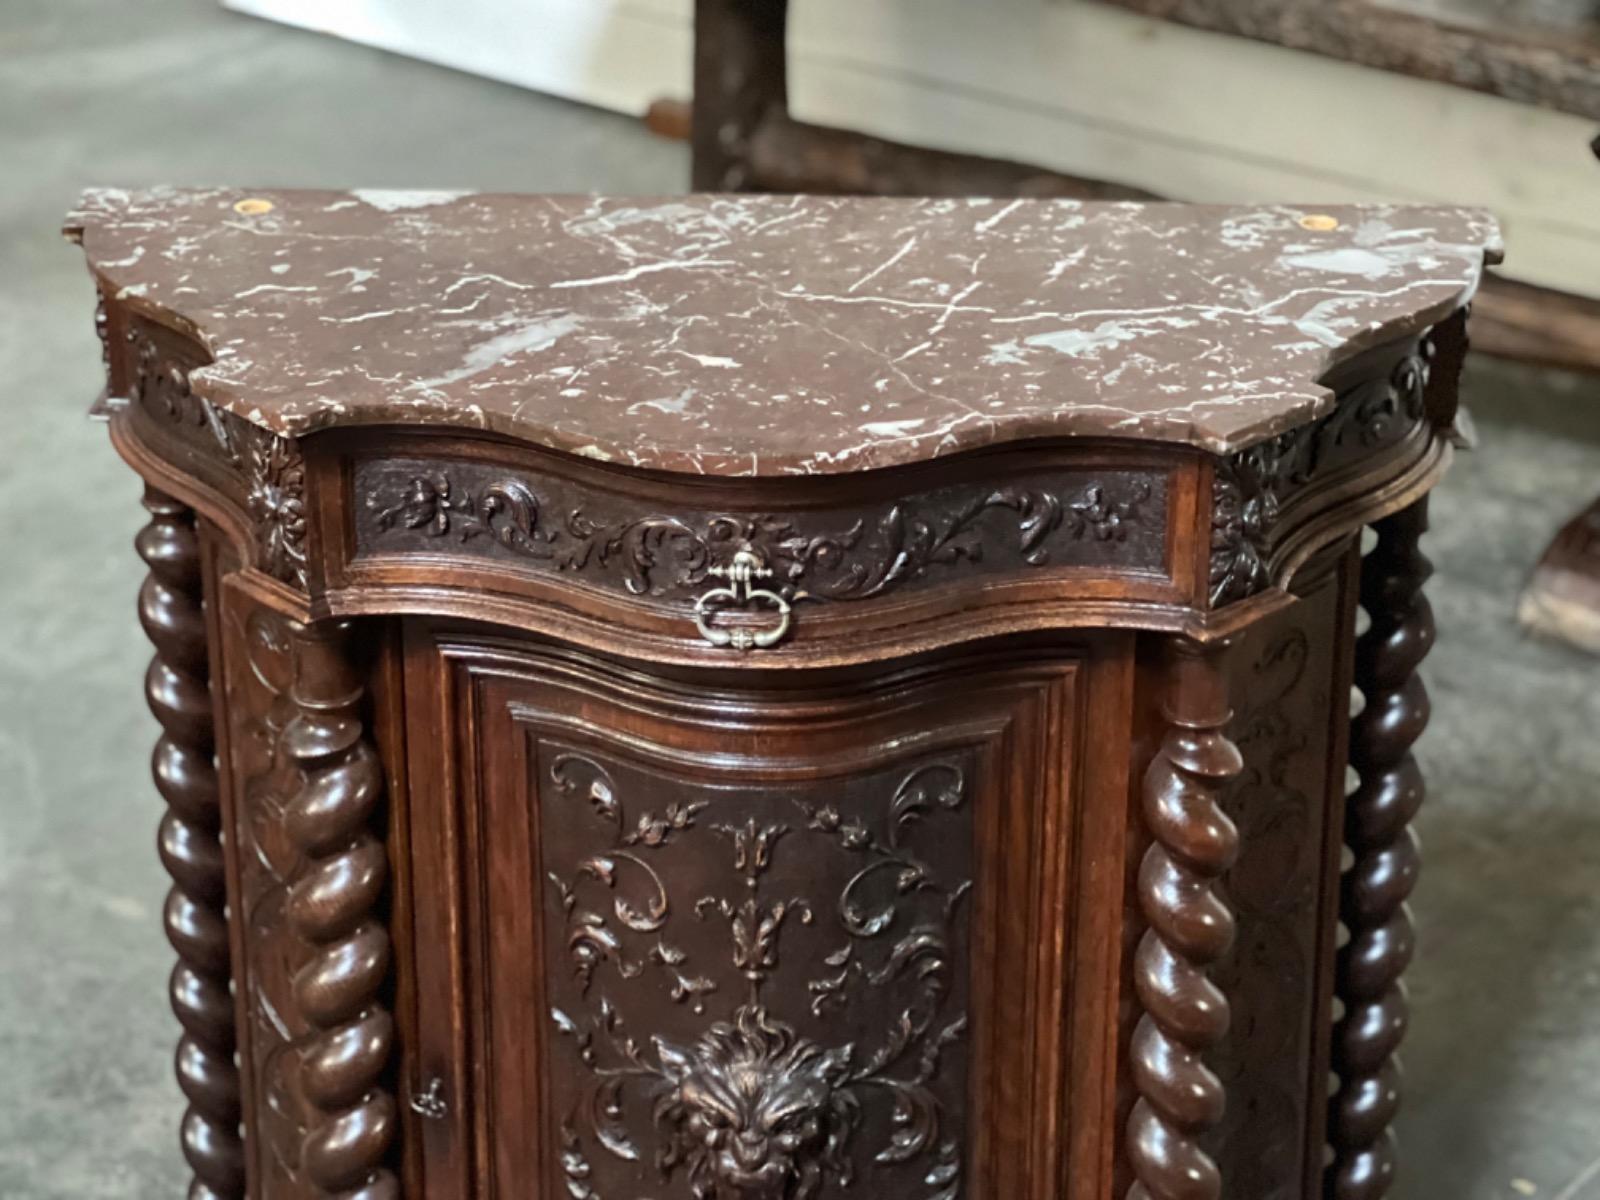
774	334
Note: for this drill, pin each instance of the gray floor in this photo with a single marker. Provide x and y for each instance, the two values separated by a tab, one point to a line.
1504	1057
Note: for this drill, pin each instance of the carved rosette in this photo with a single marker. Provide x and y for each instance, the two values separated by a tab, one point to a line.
1193	843
178	688
334	905
1386	858
1251	487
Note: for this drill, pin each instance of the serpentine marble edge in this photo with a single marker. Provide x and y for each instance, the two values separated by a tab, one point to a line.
773	335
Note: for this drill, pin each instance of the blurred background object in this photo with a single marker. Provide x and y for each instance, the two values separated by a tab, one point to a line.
1490	102
1503	1065
1479	102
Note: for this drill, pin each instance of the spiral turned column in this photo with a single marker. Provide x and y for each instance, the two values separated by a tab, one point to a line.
1179	1098
334	905
1385	857
190	840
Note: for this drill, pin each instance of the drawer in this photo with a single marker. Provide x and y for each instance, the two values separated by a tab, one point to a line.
783	570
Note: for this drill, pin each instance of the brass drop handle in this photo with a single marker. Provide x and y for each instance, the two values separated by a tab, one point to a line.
745	567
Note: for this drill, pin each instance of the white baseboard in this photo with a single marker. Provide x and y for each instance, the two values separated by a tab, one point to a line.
1068	84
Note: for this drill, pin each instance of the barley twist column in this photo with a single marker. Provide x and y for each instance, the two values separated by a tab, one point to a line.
171	610
1184	1013
1386	860
334	905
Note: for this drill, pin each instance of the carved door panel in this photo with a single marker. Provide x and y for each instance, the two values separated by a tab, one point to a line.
697	940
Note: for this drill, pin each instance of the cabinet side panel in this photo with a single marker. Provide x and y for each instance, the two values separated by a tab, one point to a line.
262	779
1290	691
220	559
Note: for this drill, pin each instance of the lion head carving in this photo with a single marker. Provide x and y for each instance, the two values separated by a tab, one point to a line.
754	1111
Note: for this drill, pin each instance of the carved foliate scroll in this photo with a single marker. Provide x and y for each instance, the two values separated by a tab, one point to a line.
264	472
333	905
761	990
260	662
1252	487
1068	517
1284	674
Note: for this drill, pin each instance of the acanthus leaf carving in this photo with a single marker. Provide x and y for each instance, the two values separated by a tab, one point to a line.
1251	486
868	557
270	469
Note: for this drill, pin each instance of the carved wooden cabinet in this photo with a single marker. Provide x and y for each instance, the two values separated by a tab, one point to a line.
760	698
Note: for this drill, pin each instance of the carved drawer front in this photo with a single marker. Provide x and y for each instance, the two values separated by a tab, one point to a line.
757	565
721	944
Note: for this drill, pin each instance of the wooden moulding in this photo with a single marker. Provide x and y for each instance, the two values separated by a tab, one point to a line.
1084	534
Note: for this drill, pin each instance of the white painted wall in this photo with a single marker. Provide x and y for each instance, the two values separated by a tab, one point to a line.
1065	83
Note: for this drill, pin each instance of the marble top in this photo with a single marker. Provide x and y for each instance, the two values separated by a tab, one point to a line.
771	335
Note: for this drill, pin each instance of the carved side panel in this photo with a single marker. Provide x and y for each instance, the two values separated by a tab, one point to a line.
768	944
178	688
260	673
1285	678
333	905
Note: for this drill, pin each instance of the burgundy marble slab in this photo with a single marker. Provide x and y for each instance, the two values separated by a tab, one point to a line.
766	335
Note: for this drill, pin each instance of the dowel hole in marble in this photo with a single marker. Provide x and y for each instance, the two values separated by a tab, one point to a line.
253	207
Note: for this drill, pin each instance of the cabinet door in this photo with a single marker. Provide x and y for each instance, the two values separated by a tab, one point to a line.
693	938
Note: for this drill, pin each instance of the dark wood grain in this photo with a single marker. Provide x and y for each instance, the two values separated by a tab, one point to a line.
1112	519
258	671
332	904
1193	842
1288	677
263	474
1382	410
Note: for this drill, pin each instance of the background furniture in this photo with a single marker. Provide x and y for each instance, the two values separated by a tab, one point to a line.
632	718
1097	91
745	139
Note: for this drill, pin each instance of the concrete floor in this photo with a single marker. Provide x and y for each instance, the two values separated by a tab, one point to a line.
1504	1056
